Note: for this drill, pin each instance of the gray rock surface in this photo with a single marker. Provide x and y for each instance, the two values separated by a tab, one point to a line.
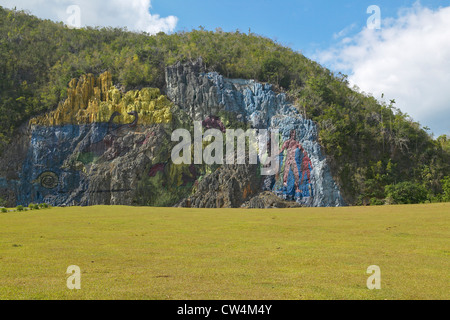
204	94
84	165
268	200
227	187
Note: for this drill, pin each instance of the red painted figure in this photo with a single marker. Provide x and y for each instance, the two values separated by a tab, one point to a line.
306	167
291	146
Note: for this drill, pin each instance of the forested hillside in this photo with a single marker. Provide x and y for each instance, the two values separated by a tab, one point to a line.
378	154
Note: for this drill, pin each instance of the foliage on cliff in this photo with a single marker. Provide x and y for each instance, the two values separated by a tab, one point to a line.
371	145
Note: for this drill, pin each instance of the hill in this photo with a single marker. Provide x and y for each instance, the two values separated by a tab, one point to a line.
376	153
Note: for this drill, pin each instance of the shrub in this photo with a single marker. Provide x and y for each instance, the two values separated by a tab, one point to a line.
4	210
376	202
406	193
19	208
446	189
36	207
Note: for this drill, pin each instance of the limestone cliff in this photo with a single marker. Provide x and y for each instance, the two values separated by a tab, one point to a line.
306	178
97	147
104	146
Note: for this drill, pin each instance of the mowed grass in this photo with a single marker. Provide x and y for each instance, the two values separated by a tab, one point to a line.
167	253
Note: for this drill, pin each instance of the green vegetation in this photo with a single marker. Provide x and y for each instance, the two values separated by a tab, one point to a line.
167	253
446	187
406	193
32	206
29	208
2	202
370	144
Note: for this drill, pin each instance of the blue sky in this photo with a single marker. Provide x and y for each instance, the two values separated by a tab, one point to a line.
304	25
408	59
323	30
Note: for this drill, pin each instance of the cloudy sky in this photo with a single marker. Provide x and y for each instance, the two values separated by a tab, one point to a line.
136	15
407	58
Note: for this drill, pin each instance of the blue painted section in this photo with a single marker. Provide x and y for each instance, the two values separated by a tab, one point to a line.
289	192
3	183
49	148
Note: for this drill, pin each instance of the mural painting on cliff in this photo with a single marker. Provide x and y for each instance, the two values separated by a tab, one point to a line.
102	146
51	149
295	171
304	175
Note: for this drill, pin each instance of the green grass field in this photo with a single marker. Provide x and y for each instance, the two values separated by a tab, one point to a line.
166	253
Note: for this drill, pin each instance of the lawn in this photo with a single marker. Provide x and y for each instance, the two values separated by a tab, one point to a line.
167	253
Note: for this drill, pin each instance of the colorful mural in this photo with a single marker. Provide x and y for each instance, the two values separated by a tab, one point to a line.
102	146
293	182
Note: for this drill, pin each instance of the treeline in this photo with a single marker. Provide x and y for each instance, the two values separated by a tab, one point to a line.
377	151
373	147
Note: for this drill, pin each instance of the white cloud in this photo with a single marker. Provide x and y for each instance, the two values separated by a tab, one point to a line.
344	31
407	60
133	14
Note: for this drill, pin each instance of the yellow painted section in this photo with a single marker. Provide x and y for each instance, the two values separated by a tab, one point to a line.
93	99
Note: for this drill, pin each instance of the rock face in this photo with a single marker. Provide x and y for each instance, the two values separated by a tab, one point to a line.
98	147
95	100
304	175
103	146
228	187
268	200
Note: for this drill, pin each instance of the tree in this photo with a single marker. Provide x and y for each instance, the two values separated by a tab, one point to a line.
446	189
406	193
